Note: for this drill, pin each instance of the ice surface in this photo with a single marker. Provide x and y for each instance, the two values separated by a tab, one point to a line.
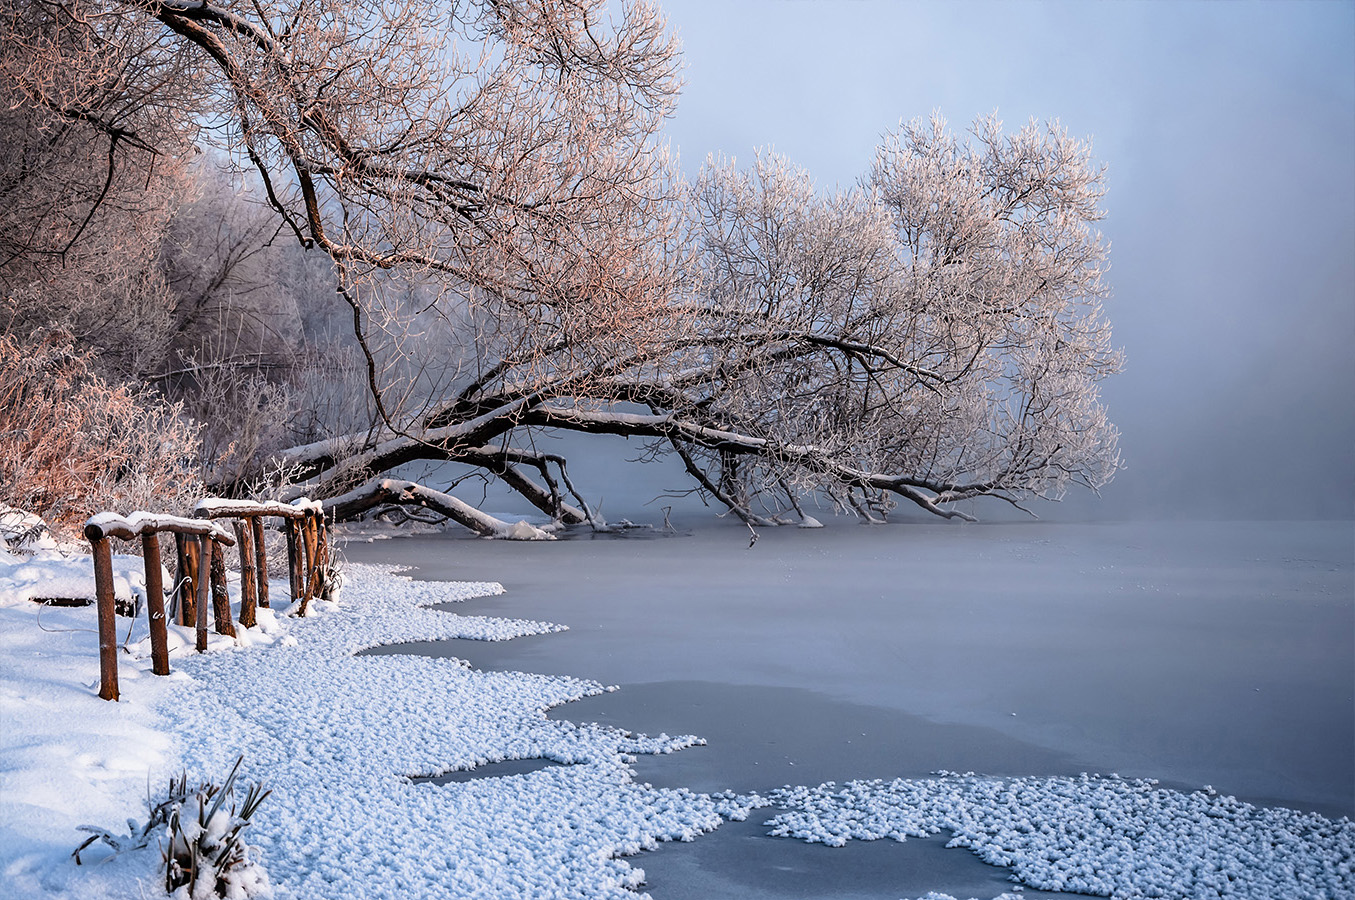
1192	653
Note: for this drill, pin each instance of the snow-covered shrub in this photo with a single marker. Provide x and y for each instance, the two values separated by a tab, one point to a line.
21	531
72	444
207	856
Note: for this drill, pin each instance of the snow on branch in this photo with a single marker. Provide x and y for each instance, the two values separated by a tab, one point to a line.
409	493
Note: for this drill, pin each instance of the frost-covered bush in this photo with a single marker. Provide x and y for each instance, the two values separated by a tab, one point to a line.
72	444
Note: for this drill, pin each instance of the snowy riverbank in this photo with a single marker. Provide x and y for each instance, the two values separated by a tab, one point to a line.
334	736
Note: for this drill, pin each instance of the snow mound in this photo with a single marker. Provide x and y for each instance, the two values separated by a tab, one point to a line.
1092	835
526	531
49	575
935	896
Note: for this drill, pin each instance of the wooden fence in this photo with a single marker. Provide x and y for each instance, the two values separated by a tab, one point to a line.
200	559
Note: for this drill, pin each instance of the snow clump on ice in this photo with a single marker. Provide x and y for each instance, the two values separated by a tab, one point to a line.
935	896
1093	835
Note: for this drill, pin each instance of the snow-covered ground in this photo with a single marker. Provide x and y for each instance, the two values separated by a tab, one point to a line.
336	735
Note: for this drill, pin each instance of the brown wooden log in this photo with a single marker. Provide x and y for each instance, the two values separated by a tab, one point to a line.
131	528
218	508
180	567
249	597
295	563
200	581
260	559
221	599
189	549
155	603
108	630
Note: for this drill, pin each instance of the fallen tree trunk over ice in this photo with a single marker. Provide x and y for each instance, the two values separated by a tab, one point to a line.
408	493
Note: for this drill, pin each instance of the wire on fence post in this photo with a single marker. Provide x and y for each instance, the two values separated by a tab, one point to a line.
188	578
180	587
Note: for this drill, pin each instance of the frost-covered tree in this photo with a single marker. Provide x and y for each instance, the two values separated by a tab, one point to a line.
933	335
512	250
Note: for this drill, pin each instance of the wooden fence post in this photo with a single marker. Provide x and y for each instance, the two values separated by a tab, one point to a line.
204	555
295	576
310	541
249	597
155	603
260	558
321	556
197	551
221	600
180	572
108	628
189	552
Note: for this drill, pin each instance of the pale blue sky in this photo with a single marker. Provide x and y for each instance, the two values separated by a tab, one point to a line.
1229	132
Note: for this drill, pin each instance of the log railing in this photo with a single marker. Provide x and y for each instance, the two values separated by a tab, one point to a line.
307	549
200	562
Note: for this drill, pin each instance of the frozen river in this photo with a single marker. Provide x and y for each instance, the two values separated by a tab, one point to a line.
1219	654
